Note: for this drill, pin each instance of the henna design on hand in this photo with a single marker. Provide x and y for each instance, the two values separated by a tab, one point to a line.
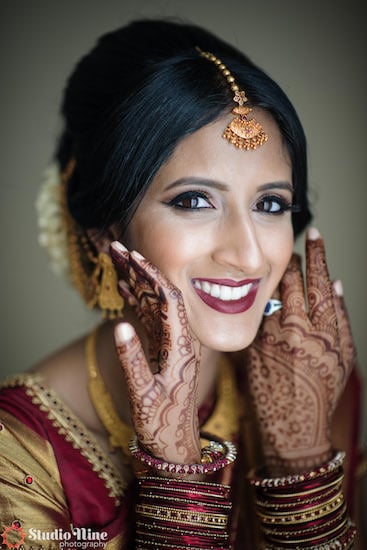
163	404
299	364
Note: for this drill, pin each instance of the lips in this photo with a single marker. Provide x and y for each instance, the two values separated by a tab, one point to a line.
225	295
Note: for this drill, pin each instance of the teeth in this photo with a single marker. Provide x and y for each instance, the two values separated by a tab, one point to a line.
206	286
225	293
214	291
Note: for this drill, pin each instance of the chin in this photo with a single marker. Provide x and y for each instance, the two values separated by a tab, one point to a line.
225	341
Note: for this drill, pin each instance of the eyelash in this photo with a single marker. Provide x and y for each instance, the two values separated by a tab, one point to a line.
284	205
190	195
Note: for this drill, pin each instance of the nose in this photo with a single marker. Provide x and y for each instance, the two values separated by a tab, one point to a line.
238	247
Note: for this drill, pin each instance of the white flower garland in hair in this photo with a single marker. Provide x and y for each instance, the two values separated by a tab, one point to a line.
52	235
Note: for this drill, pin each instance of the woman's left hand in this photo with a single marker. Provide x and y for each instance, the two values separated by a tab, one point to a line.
299	364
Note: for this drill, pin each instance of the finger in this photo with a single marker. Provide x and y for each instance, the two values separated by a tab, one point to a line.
319	288
138	272
347	347
137	372
126	293
175	335
148	274
137	285
120	257
292	290
161	302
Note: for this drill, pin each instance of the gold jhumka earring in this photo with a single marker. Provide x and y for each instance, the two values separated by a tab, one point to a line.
93	275
243	132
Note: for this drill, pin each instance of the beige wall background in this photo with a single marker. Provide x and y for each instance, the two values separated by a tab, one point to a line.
314	49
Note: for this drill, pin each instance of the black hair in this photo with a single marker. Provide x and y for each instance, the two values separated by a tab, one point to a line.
141	90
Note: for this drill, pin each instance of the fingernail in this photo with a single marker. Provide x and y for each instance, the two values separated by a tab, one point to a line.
313	234
118	246
338	287
137	255
124	332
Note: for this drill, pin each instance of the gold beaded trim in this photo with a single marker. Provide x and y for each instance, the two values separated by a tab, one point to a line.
182	516
143	528
265	504
309	539
174	500
307	515
341	515
244	133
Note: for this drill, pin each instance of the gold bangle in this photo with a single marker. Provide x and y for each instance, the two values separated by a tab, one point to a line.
332	465
331	503
309	491
304	530
148	532
160	545
265	504
345	544
297	541
157	483
183	516
302	517
181	500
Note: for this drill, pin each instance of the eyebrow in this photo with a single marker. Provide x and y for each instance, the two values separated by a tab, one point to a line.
198	181
224	187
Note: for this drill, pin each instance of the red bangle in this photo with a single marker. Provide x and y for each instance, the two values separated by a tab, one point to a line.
310	475
217	455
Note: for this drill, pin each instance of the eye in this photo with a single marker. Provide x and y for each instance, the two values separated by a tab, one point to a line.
190	200
272	204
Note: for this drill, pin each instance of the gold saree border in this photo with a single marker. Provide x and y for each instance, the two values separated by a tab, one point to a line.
30	481
71	428
224	421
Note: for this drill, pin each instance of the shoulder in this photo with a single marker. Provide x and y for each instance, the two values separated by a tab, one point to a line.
65	372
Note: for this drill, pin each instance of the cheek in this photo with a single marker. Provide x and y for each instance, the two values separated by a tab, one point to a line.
279	250
167	246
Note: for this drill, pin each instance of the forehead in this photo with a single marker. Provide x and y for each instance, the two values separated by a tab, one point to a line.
205	153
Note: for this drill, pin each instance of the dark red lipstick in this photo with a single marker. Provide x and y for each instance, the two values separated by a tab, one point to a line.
232	306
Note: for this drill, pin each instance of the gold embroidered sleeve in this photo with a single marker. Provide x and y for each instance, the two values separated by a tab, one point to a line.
31	493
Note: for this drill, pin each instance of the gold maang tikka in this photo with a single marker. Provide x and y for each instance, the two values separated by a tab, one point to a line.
243	132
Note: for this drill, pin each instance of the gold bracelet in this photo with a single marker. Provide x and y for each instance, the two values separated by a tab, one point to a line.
166	487
160	545
332	465
333	544
304	530
219	537
302	517
297	541
183	516
308	491
331	503
153	496
266	504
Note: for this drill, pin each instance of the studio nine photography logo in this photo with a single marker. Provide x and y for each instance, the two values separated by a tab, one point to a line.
77	538
13	536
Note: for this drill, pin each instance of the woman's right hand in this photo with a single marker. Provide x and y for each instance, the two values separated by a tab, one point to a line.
163	404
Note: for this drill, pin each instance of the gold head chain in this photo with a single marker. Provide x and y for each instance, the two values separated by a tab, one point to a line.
243	132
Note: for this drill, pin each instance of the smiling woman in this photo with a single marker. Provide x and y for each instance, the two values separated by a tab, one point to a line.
181	182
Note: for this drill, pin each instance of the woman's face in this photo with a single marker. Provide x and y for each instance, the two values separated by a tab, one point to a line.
216	221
